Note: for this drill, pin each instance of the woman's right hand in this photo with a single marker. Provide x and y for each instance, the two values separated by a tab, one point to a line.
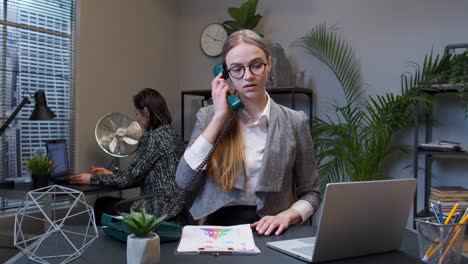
100	170
219	90
82	178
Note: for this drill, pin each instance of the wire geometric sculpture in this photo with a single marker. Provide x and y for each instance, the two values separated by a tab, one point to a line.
62	240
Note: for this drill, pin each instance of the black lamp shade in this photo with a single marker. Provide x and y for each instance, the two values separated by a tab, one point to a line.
41	110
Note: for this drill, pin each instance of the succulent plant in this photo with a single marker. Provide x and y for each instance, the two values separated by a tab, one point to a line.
141	224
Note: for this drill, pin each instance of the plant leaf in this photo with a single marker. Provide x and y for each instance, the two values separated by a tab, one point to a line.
252	21
250	7
237	15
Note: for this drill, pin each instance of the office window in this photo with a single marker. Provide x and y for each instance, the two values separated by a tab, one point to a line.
36	52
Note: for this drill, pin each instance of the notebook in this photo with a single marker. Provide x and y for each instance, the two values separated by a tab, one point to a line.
58	153
358	218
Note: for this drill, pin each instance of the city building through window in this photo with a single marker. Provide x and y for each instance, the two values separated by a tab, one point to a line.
36	52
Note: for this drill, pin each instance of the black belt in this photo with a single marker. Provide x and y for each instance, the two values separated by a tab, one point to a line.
233	215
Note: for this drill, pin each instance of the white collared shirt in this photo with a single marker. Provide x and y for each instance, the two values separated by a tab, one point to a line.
254	135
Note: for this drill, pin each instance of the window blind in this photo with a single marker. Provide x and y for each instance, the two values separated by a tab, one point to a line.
37	50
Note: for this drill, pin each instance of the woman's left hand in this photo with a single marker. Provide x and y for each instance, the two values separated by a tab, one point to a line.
279	222
82	178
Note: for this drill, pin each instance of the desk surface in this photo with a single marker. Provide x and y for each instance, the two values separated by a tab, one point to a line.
108	250
11	198
27	186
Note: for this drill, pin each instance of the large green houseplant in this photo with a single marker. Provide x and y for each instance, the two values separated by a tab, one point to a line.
353	141
456	74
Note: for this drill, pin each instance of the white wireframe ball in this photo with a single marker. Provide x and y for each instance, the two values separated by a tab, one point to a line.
62	241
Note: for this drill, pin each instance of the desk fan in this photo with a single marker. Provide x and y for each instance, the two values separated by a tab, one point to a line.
118	135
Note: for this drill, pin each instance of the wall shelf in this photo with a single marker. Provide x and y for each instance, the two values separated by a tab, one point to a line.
429	155
206	94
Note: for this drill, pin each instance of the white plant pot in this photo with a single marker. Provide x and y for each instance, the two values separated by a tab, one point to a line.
143	250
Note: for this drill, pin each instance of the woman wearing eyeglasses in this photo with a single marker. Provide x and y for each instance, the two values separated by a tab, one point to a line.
263	172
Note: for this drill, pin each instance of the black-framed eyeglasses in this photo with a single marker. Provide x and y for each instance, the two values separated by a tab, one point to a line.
238	71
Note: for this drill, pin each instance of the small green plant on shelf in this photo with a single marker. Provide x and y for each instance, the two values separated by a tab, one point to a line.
244	17
40	165
141	224
457	74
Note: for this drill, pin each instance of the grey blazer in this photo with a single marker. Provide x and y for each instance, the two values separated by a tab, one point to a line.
288	163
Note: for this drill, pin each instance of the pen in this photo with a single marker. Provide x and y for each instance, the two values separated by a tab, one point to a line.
436	214
430	252
441	214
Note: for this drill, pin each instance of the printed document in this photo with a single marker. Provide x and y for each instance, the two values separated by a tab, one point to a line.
218	239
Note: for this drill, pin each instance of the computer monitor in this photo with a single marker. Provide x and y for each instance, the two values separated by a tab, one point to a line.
58	153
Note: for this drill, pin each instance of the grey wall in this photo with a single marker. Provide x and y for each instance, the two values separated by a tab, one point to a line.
126	45
386	36
123	46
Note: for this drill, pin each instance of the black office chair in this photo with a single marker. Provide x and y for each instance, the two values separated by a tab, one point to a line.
124	205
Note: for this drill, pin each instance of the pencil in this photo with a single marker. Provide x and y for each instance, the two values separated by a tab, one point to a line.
432	250
458	230
449	217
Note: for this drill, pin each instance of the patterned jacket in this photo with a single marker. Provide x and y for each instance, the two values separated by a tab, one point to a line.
153	170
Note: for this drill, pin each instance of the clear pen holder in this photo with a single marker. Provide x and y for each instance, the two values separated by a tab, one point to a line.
439	243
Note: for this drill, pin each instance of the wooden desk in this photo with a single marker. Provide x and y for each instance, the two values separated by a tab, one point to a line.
108	250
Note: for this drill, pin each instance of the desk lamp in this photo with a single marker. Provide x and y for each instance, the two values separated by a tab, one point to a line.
41	112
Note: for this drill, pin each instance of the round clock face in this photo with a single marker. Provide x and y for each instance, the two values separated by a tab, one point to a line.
212	39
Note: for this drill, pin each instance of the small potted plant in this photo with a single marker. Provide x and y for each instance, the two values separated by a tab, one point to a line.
143	246
40	167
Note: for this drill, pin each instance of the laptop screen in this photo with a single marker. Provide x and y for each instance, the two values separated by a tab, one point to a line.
57	152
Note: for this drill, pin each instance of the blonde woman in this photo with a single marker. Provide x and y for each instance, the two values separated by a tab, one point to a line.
263	172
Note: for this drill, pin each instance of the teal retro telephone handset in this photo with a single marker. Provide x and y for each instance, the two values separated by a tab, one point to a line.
233	101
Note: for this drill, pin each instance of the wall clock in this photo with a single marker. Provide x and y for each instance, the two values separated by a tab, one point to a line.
212	39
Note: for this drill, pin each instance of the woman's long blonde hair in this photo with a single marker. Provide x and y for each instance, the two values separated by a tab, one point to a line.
228	159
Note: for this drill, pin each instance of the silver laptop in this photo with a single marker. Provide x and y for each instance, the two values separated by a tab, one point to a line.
358	218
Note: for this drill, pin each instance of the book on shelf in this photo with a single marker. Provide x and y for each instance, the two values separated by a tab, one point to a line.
449	200
440	146
442	192
461	203
447	206
449	189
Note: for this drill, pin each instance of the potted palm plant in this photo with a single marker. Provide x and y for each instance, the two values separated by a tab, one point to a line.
353	141
40	167
143	246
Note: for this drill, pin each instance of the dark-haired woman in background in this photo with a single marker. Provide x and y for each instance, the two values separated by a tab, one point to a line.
152	169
